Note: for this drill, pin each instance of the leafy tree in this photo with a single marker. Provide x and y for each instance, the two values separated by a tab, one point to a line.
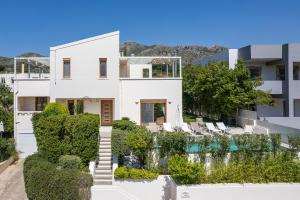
6	107
219	91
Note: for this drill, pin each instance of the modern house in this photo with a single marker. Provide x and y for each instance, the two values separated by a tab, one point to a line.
279	67
94	73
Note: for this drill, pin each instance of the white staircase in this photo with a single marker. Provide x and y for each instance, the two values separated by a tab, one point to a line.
103	170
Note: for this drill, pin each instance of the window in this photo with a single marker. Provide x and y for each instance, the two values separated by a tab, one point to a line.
280	72
153	111
103	68
145	73
2	80
40	103
255	72
66	68
296	71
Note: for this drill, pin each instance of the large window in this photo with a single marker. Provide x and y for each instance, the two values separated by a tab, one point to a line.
153	111
162	70
103	68
66	68
40	103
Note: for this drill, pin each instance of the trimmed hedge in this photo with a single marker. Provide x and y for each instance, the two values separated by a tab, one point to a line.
119	142
7	148
135	174
70	162
62	134
124	124
44	181
56	108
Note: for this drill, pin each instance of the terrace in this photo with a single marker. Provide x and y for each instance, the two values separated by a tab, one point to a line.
150	68
32	68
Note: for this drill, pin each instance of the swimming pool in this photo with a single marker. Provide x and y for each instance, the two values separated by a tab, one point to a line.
194	148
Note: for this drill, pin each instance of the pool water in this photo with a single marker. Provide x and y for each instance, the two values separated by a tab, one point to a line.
194	148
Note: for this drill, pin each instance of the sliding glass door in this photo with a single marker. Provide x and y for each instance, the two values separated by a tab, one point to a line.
153	111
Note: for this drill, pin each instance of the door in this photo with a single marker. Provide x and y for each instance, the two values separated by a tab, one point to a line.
106	112
71	106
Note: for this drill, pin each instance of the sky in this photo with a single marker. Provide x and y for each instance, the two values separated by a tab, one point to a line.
36	25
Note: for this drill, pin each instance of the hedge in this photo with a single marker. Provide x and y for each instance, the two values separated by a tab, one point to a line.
278	168
134	174
119	142
124	124
62	134
56	108
45	181
7	148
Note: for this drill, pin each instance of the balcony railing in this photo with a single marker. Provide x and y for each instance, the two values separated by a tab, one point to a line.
150	68
274	87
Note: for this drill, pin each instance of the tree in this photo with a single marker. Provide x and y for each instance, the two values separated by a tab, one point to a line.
219	91
6	107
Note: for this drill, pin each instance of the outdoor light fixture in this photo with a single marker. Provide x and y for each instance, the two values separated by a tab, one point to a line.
169	102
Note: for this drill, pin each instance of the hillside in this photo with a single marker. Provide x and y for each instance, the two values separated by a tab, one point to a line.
188	53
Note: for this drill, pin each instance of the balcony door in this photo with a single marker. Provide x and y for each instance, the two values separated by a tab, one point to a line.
106	112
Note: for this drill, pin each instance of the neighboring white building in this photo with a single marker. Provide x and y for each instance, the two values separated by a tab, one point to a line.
145	89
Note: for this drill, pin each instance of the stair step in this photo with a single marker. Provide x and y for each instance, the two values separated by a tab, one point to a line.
105	146
105	158
100	171
103	176
104	150
103	182
105	143
106	154
103	167
105	162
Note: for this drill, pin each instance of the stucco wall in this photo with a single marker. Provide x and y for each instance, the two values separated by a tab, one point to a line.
271	111
132	91
239	192
84	81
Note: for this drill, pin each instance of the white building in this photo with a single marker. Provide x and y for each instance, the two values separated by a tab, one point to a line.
145	89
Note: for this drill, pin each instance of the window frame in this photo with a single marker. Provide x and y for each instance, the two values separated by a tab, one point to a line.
64	73
102	60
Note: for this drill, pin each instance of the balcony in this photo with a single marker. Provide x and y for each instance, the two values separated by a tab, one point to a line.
274	86
32	68
150	68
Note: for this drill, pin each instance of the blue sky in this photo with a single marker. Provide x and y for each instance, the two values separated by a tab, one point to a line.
35	25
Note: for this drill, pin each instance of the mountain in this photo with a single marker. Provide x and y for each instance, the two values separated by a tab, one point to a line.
7	63
187	53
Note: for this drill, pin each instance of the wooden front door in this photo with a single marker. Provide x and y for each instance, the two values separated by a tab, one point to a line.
106	112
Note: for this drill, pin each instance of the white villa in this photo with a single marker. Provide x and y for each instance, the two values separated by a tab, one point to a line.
93	71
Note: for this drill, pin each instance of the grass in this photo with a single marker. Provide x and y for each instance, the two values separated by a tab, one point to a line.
188	118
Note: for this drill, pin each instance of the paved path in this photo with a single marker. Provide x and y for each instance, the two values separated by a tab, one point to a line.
12	182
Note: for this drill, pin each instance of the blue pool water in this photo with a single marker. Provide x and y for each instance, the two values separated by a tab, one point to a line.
194	148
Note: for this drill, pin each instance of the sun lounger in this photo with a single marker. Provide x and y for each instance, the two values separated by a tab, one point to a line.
248	129
212	129
153	128
185	128
222	127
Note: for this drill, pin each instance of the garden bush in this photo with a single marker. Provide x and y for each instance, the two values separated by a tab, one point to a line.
56	108
63	134
135	174
279	168
172	143
125	125
45	181
81	136
119	142
7	148
70	162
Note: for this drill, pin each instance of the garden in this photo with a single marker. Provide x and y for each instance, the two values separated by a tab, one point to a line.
246	158
66	144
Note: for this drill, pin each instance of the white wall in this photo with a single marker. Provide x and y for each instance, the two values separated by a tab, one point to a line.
233	57
91	106
132	91
136	70
33	87
84	81
239	192
271	111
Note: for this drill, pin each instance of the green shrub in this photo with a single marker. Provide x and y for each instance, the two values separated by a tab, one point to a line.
139	142
49	133
135	174
44	181
125	125
70	162
7	148
294	142
62	134
81	136
56	108
185	172
172	143
119	142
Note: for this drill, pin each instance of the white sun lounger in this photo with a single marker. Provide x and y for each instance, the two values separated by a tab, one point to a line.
248	129
153	128
222	127
212	129
185	128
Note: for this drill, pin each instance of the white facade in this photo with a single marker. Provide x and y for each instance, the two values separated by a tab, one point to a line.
131	94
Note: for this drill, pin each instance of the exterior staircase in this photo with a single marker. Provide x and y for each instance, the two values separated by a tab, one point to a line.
103	169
